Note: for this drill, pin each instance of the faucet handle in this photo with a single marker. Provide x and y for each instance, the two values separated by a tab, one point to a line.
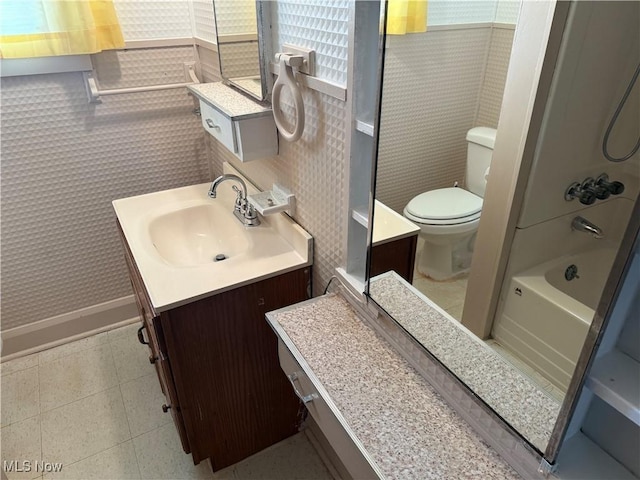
576	190
240	200
598	191
614	188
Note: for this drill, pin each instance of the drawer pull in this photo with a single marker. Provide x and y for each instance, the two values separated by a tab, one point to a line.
211	124
152	359
165	408
141	336
305	398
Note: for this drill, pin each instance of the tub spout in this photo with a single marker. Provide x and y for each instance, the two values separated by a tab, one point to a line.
581	224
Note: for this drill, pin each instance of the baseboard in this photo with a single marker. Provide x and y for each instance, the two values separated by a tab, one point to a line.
54	331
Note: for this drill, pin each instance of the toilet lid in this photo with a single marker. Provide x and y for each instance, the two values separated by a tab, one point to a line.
445	204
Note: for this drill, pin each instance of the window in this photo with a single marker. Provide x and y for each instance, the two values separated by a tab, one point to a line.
45	36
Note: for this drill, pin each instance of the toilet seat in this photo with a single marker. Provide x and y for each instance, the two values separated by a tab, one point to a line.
444	206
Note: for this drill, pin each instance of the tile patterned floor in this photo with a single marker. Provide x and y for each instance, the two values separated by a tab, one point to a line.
94	406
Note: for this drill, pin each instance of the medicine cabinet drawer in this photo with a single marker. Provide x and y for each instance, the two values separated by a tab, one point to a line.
219	126
248	138
335	430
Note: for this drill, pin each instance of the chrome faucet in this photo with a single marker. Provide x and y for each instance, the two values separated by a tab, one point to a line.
242	209
581	224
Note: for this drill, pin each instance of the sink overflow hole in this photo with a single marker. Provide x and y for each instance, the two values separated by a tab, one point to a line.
219	257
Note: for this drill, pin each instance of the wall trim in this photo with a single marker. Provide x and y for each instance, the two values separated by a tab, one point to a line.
315	83
470	26
60	329
237	38
159	43
201	42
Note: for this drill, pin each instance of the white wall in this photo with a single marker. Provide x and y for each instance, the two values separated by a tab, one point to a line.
602	53
314	167
437	85
601	49
64	161
154	19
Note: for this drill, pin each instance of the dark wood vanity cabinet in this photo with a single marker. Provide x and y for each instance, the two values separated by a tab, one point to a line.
397	255
217	362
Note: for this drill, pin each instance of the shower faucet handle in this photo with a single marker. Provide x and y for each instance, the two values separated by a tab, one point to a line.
614	188
575	190
598	191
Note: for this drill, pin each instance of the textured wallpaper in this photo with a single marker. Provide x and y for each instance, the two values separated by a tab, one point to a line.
144	20
314	170
315	167
64	161
437	85
322	25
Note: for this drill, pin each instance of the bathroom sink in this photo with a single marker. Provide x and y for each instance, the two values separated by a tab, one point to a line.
197	235
188	246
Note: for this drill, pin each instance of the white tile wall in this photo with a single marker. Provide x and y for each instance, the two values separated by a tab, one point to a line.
448	12
143	20
431	87
240	59
63	161
495	76
437	85
507	11
209	65
318	24
314	168
235	16
204	23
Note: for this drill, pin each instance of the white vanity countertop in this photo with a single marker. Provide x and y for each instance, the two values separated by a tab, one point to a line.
404	425
277	246
232	103
531	411
389	225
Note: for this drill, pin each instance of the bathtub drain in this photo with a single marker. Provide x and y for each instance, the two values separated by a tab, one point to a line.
571	272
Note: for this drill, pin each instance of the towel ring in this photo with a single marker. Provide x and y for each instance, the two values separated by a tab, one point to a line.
286	79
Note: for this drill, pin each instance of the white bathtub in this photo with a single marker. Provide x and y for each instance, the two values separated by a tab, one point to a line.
545	317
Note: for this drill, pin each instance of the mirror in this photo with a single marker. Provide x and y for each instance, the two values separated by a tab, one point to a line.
445	167
238	46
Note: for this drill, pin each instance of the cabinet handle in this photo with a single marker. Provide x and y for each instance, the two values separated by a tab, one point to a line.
305	398
152	359
211	124
165	408
141	336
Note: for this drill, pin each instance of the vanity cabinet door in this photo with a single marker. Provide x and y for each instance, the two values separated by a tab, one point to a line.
398	255
234	397
165	374
150	334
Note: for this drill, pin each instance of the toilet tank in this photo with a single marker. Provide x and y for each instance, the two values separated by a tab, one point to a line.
480	141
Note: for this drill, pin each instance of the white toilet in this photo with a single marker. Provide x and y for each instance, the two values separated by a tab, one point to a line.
449	217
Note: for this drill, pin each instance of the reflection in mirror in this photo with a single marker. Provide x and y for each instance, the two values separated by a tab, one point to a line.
440	108
237	39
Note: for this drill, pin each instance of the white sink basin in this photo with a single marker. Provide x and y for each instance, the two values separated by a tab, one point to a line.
175	236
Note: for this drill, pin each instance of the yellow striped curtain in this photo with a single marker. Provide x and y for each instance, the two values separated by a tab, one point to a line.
58	27
406	16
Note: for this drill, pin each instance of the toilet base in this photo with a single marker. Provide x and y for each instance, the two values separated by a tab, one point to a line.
445	260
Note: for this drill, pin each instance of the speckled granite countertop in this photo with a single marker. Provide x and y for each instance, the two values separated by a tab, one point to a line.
229	101
514	397
405	426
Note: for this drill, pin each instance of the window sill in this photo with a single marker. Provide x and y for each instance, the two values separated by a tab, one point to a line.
12	67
